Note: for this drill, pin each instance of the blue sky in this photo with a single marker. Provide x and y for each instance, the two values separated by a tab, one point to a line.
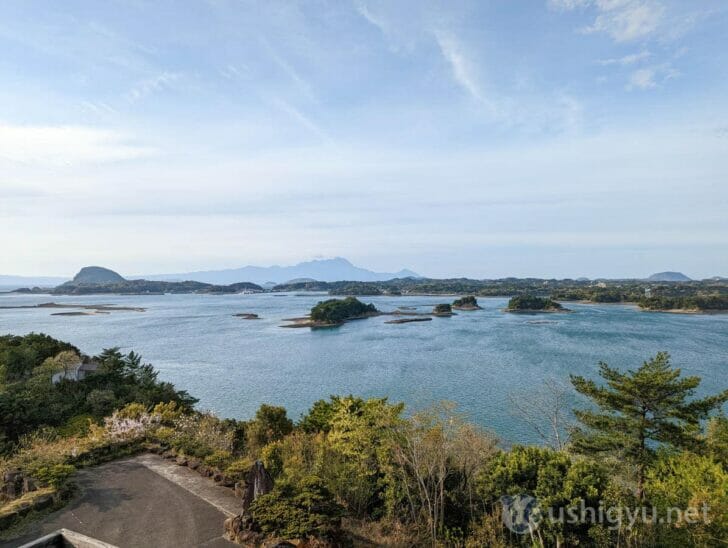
555	138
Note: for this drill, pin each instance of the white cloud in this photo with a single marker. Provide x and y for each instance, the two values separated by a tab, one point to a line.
623	20
630	59
568	4
65	145
626	20
643	78
464	71
651	77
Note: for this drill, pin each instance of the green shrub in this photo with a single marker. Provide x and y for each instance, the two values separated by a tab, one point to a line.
168	412
56	475
132	411
218	459
191	447
239	468
302	510
77	426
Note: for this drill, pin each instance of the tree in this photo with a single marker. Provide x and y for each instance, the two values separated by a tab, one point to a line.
437	458
270	424
545	410
357	453
638	411
716	439
688	481
318	418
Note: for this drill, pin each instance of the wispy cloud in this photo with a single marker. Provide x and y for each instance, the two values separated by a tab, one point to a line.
148	86
464	70
623	20
651	77
301	83
301	118
100	108
627	60
627	20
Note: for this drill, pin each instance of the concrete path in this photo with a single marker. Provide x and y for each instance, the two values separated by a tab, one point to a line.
144	501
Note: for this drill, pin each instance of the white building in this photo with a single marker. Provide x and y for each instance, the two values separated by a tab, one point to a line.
76	372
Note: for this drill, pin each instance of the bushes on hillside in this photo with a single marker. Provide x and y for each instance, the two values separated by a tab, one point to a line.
298	510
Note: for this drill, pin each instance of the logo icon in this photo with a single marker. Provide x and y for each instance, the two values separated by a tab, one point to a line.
521	513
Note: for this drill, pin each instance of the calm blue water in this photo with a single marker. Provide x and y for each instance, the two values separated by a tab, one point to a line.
475	358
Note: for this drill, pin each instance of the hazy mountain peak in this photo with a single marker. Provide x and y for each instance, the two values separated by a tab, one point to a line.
669	276
96	275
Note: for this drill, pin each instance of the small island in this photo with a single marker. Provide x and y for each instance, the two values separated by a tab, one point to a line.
531	304
247	316
466	303
410	320
336	312
442	310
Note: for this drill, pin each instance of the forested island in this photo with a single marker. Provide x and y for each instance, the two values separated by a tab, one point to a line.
529	303
335	312
364	472
466	303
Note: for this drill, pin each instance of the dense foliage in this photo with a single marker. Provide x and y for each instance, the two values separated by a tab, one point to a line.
334	311
30	400
698	302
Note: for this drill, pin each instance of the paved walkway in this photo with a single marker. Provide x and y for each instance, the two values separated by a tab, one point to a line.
144	501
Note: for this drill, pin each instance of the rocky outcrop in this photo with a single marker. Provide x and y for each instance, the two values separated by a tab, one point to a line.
442	310
257	483
241	528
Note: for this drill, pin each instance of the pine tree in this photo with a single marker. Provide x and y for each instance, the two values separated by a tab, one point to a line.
638	411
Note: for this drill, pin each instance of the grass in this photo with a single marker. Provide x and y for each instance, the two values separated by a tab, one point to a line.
26	500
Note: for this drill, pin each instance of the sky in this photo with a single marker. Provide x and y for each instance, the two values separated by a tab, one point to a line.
553	138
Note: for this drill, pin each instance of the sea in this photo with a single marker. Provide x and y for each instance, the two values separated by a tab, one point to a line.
482	360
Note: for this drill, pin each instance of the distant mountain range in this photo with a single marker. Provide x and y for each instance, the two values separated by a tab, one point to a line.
31	281
323	270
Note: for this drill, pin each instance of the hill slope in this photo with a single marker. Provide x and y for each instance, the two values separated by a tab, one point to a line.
669	277
96	275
